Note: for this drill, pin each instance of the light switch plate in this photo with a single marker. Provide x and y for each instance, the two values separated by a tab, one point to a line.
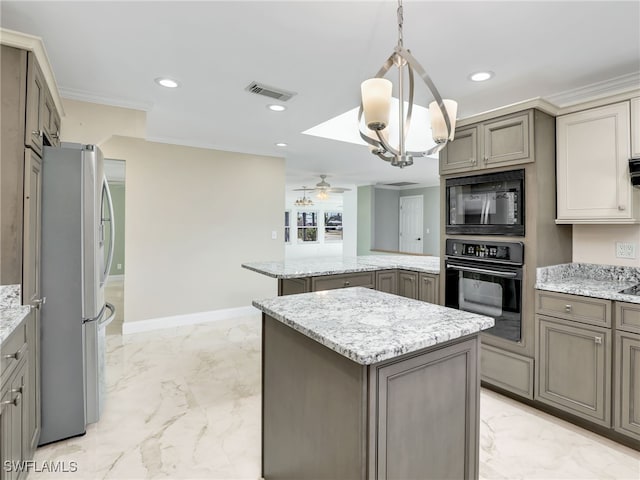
274	235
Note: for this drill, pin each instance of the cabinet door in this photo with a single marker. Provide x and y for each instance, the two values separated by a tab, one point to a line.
417	404
635	127
5	432
627	394
508	140
31	294
428	291
592	166
461	154
573	368
408	284
50	120
387	281
36	92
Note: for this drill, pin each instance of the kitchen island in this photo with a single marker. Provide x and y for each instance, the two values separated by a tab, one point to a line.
411	276
361	384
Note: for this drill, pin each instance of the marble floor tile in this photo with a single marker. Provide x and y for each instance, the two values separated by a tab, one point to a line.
184	403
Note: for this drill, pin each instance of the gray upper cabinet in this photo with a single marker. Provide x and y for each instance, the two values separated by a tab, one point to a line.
461	154
504	141
36	94
573	368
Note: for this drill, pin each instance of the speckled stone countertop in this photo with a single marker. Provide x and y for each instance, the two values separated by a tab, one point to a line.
590	280
368	326
313	267
11	312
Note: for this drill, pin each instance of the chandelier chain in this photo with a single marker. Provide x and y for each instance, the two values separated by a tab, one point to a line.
400	21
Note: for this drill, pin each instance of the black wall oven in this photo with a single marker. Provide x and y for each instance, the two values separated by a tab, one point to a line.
486	278
490	204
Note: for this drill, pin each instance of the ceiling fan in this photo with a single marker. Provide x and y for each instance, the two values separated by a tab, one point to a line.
323	188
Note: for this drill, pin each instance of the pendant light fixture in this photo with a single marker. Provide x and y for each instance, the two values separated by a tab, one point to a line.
376	106
304	201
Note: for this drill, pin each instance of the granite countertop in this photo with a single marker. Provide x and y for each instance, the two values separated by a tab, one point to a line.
10	318
368	326
11	312
589	280
313	267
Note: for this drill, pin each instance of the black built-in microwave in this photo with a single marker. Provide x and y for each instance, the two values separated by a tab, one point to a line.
489	204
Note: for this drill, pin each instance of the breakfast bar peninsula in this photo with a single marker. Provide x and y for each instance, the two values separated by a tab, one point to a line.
362	384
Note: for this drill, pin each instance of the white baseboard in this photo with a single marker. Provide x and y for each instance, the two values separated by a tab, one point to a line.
188	319
115	278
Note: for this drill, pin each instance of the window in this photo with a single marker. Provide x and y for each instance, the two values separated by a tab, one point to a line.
307	227
332	226
287	226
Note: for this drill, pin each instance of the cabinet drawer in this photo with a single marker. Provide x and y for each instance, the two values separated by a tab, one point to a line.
13	350
628	317
330	282
594	311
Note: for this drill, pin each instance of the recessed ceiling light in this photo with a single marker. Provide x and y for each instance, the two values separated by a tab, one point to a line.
282	144
277	108
166	82
481	76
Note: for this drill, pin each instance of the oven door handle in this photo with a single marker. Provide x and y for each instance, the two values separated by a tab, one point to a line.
482	270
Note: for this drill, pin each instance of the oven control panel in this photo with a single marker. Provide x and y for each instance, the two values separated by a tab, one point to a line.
509	252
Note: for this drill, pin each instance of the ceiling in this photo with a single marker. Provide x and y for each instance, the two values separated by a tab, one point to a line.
110	52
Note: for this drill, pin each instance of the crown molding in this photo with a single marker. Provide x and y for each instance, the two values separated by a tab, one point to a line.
595	91
34	44
84	96
538	103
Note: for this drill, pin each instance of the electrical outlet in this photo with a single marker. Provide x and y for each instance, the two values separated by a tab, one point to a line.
274	235
625	250
119	266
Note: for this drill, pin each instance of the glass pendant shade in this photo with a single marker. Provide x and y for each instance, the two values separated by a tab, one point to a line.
438	125
376	102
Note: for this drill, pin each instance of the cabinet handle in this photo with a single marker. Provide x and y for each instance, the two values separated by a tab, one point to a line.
17	355
567	308
55	135
37	133
346	284
598	340
39	302
622	208
15	402
486	159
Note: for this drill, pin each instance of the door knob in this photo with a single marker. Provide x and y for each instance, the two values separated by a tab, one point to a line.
418	239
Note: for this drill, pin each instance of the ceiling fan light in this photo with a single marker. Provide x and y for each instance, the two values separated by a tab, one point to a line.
376	102
438	125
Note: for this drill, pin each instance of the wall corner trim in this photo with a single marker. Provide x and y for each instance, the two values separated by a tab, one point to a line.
187	319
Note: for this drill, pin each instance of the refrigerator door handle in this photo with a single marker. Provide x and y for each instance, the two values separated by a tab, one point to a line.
109	319
112	229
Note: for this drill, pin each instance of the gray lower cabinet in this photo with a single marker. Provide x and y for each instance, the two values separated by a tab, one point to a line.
573	368
14	420
291	286
506	370
33	399
387	281
627	381
429	289
408	284
331	282
327	417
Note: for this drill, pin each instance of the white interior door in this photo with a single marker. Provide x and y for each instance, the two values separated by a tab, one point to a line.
411	218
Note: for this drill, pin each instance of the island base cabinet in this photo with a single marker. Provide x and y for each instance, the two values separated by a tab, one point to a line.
573	368
325	416
424	415
627	375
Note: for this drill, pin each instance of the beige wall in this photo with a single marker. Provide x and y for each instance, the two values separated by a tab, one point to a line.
92	123
597	243
192	217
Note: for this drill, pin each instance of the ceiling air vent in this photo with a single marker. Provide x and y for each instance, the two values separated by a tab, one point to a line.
271	92
401	184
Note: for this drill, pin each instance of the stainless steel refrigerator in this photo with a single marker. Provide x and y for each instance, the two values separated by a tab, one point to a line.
77	249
